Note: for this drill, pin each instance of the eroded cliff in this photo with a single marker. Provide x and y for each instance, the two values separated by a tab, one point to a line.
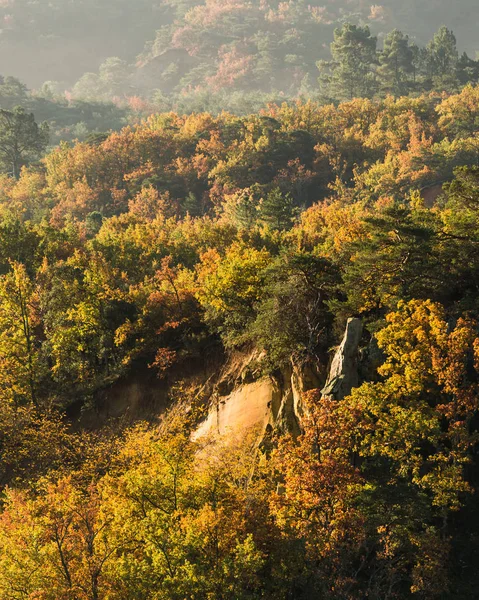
239	404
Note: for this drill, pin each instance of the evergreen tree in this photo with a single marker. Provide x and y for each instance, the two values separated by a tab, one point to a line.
467	70
12	92
443	57
396	64
242	209
21	139
278	210
351	71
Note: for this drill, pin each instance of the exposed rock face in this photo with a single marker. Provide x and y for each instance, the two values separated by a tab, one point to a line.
303	379
265	404
343	374
140	396
239	405
252	406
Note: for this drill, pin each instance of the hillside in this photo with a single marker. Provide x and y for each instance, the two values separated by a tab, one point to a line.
301	281
60	41
239	300
214	57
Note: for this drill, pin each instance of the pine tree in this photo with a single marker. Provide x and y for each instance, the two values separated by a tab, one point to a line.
467	70
278	210
396	64
351	71
443	59
21	139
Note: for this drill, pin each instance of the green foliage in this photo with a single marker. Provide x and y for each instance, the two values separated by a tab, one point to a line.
293	320
393	260
19	344
276	210
353	53
396	64
442	57
21	139
231	286
12	93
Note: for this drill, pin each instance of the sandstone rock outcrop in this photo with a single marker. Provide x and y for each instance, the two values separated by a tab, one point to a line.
275	402
238	396
250	406
343	374
270	402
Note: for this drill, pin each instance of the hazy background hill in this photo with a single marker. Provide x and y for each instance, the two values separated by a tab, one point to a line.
61	40
93	66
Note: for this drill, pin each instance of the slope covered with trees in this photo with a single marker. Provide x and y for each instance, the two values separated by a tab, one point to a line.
240	57
357	67
225	58
244	183
186	236
61	40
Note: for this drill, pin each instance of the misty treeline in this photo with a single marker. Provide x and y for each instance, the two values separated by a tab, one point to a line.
188	73
243	78
60	40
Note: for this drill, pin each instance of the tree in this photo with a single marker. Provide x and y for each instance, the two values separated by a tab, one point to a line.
458	239
353	57
241	208
12	93
392	260
443	57
277	210
459	114
231	286
110	82
180	522
168	521
19	348
370	484
21	139
316	502
113	74
419	418
55	545
396	63
293	320
467	70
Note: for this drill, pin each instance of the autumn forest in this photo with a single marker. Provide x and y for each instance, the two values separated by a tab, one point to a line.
239	302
